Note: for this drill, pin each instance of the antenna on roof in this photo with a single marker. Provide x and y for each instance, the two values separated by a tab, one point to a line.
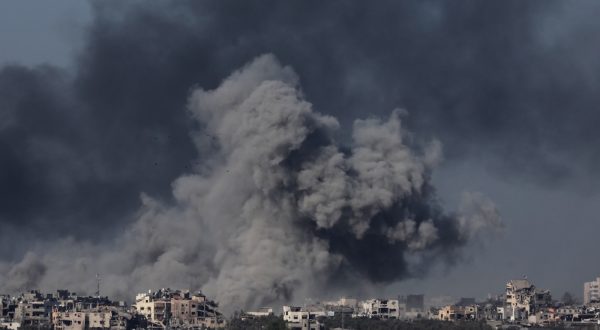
98	285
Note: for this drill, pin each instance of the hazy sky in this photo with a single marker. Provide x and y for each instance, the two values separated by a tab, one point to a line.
509	88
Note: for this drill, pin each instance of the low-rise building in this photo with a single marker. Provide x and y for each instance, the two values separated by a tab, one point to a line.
303	318
68	320
451	313
380	308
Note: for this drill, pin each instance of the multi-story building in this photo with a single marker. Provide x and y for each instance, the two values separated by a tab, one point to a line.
7	307
154	306
380	308
519	298
64	311
522	299
33	310
167	307
73	320
591	292
99	319
68	320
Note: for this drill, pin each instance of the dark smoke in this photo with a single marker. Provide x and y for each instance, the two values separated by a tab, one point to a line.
276	210
513	83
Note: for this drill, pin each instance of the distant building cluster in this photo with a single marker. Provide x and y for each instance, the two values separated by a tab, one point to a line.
63	310
521	303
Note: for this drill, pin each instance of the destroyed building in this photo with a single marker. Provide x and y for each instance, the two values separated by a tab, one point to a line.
380	308
304	318
63	311
176	308
523	299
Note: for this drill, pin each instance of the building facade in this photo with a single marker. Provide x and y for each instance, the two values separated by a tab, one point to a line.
523	299
591	292
380	308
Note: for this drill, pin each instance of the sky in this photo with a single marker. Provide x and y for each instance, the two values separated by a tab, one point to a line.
109	113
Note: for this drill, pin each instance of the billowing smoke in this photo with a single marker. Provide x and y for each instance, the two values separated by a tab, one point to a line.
276	210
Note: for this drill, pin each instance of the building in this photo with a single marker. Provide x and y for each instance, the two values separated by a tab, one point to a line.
81	320
591	292
451	313
523	299
7	307
380	308
65	311
156	307
167	307
98	319
33	310
303	318
68	320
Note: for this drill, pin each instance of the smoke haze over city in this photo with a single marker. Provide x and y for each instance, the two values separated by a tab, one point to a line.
267	152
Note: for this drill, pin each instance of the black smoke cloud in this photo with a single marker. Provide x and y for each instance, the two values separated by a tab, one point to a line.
513	83
277	210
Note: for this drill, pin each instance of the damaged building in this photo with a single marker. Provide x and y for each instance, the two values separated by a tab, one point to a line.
177	308
523	299
380	308
304	318
64	310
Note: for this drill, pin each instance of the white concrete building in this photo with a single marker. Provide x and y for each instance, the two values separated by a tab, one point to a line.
380	308
304	318
155	310
591	292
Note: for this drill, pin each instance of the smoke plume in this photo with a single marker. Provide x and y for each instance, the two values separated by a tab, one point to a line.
276	209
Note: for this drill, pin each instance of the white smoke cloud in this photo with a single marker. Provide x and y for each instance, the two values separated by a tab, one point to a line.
276	208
